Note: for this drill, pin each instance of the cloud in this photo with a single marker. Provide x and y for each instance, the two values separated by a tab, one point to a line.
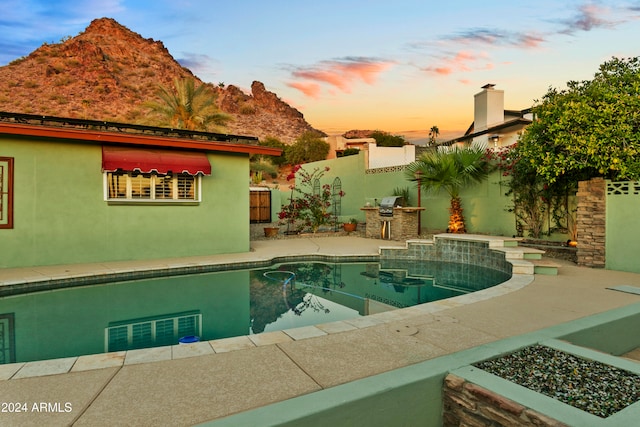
494	37
458	52
530	40
340	73
586	19
462	61
310	89
477	43
589	16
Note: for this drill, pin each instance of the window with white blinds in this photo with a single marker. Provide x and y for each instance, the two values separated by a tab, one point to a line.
143	333
133	186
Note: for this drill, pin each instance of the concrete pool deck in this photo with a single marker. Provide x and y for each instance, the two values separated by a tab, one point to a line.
187	385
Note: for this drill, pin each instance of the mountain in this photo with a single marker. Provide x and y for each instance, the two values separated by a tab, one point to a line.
108	72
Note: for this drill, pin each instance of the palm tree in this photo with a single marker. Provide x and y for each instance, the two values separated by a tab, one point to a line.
433	134
186	107
450	170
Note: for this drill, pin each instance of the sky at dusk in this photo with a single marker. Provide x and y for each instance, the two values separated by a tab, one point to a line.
400	66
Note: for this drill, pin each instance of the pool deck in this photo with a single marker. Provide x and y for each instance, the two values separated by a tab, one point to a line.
191	384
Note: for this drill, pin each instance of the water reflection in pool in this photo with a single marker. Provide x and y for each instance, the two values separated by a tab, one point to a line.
158	311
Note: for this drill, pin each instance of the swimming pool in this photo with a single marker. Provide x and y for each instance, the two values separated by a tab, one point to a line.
157	311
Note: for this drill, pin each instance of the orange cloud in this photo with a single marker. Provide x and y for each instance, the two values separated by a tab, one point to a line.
341	74
310	89
530	40
462	61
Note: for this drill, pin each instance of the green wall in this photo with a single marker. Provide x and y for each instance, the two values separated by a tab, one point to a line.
485	205
622	230
60	216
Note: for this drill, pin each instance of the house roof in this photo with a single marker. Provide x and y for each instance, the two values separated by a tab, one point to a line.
469	134
517	118
94	131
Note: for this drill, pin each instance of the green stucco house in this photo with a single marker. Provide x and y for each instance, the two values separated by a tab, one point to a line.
80	191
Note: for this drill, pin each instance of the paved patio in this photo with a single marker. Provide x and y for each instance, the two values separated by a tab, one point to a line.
187	385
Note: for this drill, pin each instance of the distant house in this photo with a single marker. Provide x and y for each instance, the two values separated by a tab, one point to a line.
81	191
493	126
375	157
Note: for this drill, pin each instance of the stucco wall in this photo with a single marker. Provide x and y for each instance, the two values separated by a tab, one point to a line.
485	205
380	157
60	215
622	229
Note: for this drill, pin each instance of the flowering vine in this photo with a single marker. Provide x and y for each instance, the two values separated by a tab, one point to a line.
308	209
536	202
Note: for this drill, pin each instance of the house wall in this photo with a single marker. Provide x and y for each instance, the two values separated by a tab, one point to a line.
60	215
380	157
505	138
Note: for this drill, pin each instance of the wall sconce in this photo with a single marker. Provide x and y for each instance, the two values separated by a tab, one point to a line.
494	139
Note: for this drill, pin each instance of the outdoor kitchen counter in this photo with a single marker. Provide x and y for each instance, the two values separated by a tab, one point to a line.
402	225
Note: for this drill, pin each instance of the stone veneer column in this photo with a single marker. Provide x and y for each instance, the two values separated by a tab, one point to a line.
591	223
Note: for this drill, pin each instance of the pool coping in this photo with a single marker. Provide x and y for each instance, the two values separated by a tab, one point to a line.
65	365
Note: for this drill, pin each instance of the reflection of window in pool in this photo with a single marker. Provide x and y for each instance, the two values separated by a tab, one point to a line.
133	186
6	192
7	338
149	332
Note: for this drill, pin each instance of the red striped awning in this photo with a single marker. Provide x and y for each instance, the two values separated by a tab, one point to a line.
148	160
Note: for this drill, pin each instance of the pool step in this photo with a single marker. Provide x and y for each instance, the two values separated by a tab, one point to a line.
545	266
520	252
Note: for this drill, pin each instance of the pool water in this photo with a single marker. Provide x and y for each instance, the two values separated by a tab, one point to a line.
159	311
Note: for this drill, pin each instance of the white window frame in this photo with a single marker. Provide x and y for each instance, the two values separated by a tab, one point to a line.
197	181
151	326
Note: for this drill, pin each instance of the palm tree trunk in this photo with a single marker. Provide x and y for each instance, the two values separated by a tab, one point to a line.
456	219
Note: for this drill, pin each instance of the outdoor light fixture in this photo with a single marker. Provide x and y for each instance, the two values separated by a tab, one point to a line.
494	139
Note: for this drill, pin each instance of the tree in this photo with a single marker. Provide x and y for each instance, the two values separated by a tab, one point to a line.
451	170
433	135
590	129
273	142
536	202
309	147
186	107
384	139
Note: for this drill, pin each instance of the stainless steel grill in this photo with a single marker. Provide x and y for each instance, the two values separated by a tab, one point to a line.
388	203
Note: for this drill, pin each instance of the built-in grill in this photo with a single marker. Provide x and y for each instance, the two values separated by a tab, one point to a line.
388	203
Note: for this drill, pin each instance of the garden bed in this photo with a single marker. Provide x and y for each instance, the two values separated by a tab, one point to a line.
591	386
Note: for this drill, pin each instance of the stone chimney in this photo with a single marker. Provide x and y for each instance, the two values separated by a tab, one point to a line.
488	108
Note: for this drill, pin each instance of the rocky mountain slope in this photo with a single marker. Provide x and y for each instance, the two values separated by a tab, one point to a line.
108	72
